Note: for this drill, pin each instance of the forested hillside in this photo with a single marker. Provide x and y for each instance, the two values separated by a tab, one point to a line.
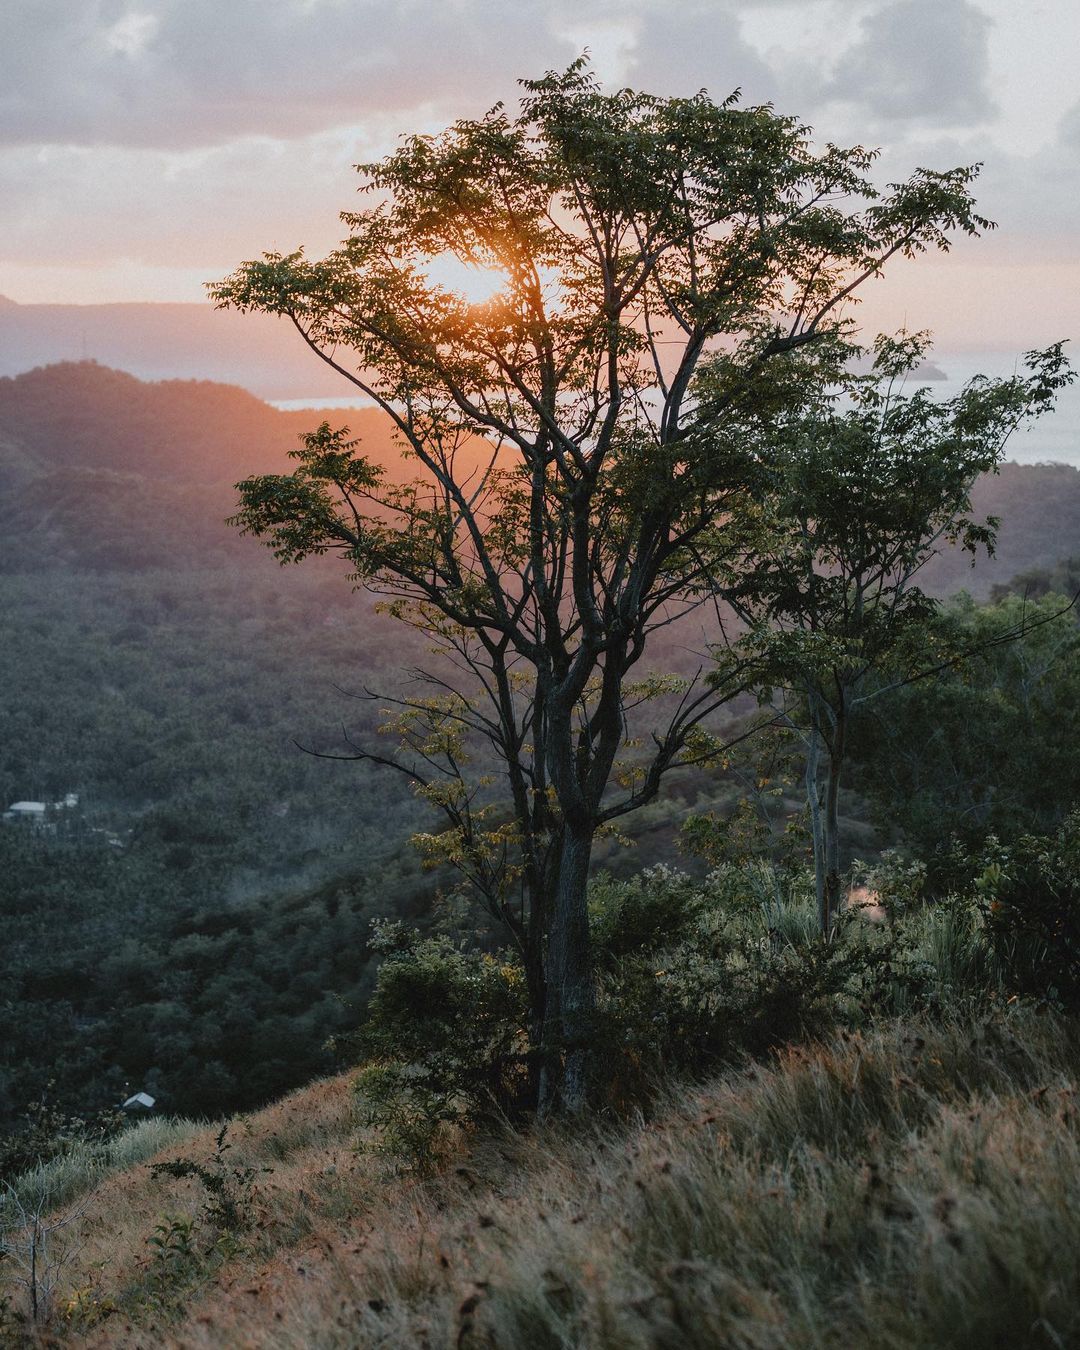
195	925
175	929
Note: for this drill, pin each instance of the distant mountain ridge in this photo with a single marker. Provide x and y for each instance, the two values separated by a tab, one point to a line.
80	412
89	453
101	470
160	341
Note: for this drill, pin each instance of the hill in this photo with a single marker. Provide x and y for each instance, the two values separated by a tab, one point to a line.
99	467
165	669
915	1186
159	341
1039	509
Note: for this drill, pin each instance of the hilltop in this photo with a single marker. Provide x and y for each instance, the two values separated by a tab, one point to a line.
167	670
166	340
100	469
772	1206
94	460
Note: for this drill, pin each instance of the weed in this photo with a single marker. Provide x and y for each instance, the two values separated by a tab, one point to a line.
228	1188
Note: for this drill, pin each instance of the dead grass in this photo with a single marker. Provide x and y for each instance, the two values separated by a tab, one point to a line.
907	1188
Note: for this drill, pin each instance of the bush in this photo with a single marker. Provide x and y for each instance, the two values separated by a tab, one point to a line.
642	915
695	975
445	1042
48	1132
1029	892
228	1187
690	976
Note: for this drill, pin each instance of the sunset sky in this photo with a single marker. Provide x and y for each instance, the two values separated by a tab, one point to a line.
147	146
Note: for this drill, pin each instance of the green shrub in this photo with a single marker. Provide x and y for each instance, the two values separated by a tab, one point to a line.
642	915
47	1132
690	976
734	966
1029	893
445	1042
228	1187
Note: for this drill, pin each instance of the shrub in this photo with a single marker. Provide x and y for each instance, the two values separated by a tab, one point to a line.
228	1187
48	1132
445	1042
690	976
642	915
1029	892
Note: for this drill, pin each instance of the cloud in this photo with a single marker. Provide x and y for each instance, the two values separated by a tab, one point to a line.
1069	130
703	48
924	61
182	73
200	208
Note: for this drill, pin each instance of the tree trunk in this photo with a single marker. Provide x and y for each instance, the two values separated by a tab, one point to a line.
571	998
832	829
813	801
543	883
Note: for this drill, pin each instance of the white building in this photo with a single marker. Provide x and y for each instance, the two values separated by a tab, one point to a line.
31	813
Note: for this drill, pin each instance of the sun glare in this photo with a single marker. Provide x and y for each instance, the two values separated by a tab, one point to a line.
476	284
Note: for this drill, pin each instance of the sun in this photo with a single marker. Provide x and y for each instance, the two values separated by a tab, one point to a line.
475	284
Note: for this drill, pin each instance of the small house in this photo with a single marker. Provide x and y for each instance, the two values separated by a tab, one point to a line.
27	813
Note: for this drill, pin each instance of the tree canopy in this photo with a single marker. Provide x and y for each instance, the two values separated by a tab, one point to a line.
573	469
864	483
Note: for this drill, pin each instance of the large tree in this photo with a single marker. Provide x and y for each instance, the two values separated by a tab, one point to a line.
569	472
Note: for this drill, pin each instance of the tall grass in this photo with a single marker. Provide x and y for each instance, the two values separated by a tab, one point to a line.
85	1163
912	1186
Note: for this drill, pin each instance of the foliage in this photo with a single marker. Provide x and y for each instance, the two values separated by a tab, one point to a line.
445	1040
1029	891
691	976
47	1132
174	1261
865	483
635	233
986	746
228	1187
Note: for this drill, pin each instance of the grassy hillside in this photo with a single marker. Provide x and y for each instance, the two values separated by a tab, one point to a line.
914	1186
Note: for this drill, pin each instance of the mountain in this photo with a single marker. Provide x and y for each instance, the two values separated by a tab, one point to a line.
155	341
92	459
100	469
84	413
1039	509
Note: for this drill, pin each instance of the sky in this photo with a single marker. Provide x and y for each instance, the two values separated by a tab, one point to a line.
147	146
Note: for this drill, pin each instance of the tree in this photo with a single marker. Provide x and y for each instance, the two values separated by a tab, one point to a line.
866	482
570	471
986	746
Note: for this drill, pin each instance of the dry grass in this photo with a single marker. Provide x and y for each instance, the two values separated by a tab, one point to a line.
913	1187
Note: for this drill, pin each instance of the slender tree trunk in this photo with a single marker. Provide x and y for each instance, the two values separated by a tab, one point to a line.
832	827
542	887
831	830
571	998
817	833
